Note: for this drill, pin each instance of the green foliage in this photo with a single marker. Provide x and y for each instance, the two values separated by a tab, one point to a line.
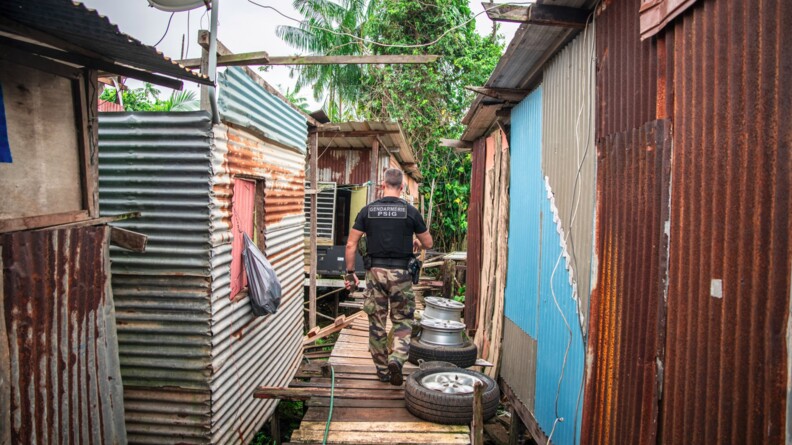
147	99
460	293
297	101
290	414
429	100
321	33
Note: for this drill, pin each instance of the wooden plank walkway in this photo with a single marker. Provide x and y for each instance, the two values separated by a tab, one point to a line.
378	415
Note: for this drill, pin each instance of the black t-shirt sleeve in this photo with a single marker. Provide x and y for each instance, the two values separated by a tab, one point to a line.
419	226
360	220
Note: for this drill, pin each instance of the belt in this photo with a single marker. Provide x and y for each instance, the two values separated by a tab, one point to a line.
390	263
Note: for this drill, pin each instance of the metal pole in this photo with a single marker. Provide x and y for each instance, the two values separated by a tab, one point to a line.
313	147
212	71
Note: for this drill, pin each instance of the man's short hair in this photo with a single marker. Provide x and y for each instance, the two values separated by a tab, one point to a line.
394	178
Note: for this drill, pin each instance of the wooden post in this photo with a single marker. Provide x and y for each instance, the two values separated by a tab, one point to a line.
275	428
516	429
374	170
313	147
205	105
477	425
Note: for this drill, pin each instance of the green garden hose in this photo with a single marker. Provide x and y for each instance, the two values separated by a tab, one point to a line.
330	414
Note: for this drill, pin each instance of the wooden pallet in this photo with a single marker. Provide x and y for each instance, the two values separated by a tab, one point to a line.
376	414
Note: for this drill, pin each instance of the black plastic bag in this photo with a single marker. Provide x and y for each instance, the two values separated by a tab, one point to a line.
264	287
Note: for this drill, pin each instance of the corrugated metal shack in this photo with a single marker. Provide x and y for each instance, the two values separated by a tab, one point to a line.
648	284
59	369
191	350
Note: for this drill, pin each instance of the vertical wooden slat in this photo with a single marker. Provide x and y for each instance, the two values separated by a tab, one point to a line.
313	148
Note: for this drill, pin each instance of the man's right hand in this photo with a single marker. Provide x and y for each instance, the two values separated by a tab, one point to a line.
351	281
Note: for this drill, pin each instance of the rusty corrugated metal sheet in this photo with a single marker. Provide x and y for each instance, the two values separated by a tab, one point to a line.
59	351
475	215
344	166
249	351
627	70
731	252
628	305
105	106
655	14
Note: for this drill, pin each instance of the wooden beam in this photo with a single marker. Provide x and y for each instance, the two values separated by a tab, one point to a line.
372	195
286	393
548	15
524	413
405	59
128	239
262	58
355	134
313	146
455	143
504	112
477	424
505	94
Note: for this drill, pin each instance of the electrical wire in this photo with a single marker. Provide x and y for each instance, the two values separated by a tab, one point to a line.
166	30
389	45
570	237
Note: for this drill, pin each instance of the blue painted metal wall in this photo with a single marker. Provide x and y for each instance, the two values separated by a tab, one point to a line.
525	192
539	297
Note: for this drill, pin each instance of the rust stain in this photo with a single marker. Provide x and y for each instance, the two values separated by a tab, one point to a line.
54	285
728	284
628	314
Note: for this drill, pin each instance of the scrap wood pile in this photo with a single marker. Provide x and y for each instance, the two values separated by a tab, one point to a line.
449	276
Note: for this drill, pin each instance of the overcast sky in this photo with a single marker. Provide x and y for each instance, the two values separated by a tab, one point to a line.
242	27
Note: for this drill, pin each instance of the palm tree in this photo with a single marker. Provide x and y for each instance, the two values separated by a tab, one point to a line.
318	34
179	101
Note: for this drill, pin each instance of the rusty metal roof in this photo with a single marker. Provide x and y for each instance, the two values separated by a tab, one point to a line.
520	67
74	25
390	135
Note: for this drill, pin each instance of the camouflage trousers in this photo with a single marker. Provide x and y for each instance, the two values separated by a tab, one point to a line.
384	286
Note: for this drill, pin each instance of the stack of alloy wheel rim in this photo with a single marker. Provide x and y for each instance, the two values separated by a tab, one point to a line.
442	336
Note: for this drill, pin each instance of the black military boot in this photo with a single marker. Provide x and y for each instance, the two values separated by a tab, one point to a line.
396	377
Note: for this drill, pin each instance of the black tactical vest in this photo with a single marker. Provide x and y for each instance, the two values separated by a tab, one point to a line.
389	230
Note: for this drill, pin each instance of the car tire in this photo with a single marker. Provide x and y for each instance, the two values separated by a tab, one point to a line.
463	356
448	408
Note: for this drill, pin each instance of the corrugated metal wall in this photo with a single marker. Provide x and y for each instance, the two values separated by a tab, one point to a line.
628	306
158	164
58	348
344	166
539	293
526	192
569	156
245	103
249	351
731	252
633	173
718	72
627	70
191	356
